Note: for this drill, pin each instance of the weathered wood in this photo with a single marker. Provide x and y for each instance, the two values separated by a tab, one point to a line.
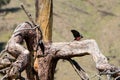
64	50
23	32
47	67
44	17
4	63
4	70
82	48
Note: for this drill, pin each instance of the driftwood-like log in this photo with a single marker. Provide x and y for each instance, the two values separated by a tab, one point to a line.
82	48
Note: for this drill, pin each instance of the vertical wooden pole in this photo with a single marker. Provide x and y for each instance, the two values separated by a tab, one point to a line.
44	17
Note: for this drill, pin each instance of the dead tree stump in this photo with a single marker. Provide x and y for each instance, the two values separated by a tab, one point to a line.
61	50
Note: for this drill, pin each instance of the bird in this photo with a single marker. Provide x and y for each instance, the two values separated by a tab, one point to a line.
77	35
41	44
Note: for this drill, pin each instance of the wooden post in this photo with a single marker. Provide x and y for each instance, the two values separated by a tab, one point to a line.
44	17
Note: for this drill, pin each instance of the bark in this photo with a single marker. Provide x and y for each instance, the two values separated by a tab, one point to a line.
44	17
82	48
47	67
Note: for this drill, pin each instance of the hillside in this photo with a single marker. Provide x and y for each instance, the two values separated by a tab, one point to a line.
96	19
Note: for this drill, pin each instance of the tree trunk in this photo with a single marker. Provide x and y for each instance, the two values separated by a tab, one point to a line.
44	17
47	67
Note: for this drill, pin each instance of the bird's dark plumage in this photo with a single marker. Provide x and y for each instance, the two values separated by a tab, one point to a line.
76	35
42	46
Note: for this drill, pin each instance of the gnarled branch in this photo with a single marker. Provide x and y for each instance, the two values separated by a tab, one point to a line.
82	48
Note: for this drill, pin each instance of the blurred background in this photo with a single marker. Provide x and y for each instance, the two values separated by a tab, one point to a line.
94	19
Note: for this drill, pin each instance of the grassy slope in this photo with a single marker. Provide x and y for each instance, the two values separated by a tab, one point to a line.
97	19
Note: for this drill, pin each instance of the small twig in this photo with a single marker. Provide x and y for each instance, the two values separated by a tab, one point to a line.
4	77
109	73
26	29
96	75
4	70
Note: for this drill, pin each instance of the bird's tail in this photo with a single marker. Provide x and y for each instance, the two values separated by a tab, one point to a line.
82	74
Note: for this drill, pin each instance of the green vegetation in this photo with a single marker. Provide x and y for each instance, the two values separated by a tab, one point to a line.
97	19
